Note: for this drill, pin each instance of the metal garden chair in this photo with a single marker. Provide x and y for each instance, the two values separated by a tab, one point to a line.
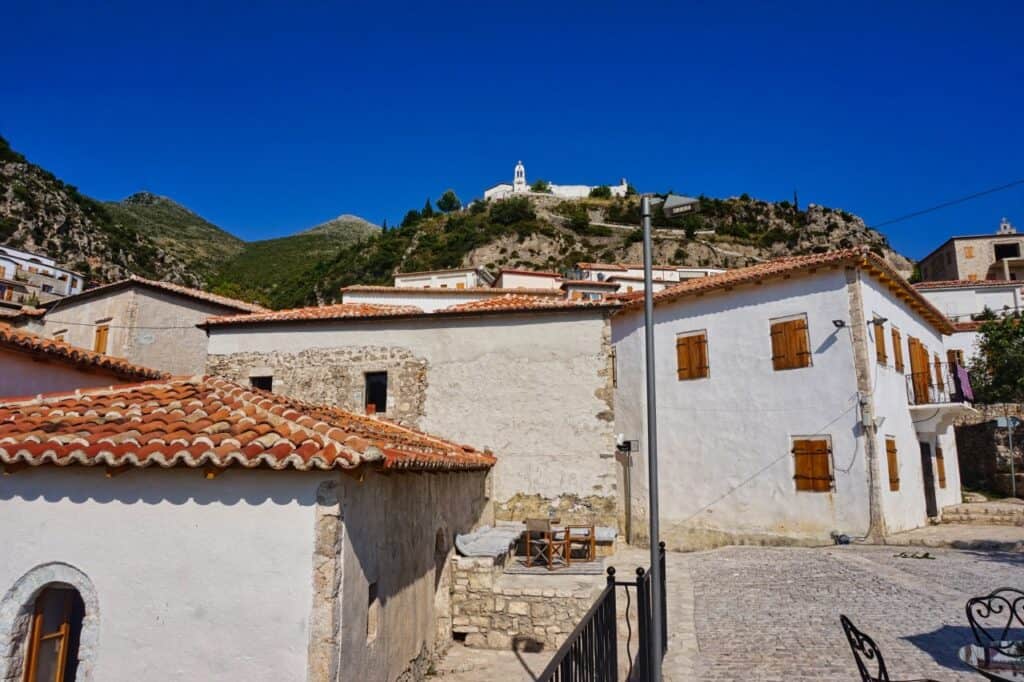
866	652
992	618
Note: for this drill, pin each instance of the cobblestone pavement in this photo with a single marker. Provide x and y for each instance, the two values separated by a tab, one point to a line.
773	613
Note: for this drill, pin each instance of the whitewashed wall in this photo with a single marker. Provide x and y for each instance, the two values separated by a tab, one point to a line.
427	302
535	388
725	441
520	280
964	341
214	579
905	509
961	302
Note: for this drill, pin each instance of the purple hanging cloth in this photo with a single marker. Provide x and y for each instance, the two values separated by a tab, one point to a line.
964	380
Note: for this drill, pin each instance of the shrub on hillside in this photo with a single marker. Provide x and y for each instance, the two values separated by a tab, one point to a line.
601	192
512	210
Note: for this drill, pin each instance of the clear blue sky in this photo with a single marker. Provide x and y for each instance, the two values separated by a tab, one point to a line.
268	118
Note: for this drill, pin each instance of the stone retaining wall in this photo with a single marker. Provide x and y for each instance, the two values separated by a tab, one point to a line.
494	613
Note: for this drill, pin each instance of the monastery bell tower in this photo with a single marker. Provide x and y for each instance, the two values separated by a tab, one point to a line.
519	181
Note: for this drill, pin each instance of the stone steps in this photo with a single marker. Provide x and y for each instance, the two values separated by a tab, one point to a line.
988	514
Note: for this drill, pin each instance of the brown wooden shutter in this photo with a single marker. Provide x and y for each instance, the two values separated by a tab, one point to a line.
940	464
955	357
894	464
897	350
813	467
682	357
100	339
940	382
800	343
699	355
880	343
780	357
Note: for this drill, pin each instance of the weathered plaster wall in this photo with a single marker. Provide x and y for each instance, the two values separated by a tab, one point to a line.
960	303
22	375
336	376
150	328
536	389
253	575
725	462
905	509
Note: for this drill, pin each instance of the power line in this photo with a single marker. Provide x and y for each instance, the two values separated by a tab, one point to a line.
947	204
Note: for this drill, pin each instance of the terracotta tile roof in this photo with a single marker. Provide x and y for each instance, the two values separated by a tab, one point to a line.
857	256
162	286
513	302
538	273
51	349
601	266
967	284
211	422
971	326
432	291
590	283
339	311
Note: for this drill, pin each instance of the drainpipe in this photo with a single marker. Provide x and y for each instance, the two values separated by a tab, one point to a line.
862	364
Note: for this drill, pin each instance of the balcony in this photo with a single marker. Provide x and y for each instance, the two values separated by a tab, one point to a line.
939	395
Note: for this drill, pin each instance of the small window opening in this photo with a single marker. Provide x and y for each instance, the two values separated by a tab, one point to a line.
262	383
376	392
372	612
1007	251
54	637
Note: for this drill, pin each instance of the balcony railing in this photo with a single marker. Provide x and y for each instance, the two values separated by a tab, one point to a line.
944	382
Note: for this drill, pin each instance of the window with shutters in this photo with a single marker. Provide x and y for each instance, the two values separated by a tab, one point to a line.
812	464
894	463
692	355
955	357
880	354
940	464
897	349
968	252
939	380
791	346
99	343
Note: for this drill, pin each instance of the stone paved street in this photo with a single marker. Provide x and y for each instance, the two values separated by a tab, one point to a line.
773	613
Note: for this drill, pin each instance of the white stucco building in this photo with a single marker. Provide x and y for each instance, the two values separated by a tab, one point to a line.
433	299
528	376
456	278
264	540
45	279
785	410
519	185
143	321
963	300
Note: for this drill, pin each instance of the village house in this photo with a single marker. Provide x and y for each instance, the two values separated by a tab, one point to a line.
143	321
32	364
977	257
194	529
964	302
529	376
39	277
456	278
796	398
431	299
519	186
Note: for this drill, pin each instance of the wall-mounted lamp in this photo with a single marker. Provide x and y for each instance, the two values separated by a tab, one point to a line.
838	324
879	320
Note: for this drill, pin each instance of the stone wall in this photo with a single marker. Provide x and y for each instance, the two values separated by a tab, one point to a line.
335	376
492	612
984	455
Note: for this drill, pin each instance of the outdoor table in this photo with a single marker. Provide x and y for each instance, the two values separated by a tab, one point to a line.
994	664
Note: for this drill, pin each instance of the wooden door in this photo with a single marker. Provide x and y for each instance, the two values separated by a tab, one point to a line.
919	371
928	475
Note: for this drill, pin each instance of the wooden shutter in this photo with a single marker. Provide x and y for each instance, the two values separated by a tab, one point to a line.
920	376
100	340
968	252
692	356
682	358
880	343
812	465
897	349
955	357
790	344
894	464
940	382
940	464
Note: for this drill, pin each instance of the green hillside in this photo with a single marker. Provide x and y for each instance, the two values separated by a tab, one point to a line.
191	239
282	272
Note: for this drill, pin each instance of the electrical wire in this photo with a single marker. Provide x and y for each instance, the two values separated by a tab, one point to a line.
946	204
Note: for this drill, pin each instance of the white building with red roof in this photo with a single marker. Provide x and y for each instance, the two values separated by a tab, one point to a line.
146	322
796	398
195	529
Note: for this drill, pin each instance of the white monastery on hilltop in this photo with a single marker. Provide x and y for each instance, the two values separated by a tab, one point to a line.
519	186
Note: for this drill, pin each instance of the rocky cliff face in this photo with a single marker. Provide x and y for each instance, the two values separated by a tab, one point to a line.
42	214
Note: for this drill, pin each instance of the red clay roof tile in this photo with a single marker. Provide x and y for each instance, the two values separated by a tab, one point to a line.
52	349
182	421
967	284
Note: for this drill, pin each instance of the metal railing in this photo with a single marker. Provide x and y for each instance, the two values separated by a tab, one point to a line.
944	382
590	654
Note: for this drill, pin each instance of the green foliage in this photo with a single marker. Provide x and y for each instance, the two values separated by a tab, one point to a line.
427	211
9	155
478	207
411	218
512	210
630	190
541	186
773	236
601	192
997	371
448	202
985	314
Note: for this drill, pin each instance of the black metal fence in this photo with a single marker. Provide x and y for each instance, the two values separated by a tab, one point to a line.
591	654
942	382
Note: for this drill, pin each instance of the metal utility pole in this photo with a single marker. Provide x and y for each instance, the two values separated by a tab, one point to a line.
652	446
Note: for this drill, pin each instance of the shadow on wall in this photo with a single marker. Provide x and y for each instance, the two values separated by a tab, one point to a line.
159	486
